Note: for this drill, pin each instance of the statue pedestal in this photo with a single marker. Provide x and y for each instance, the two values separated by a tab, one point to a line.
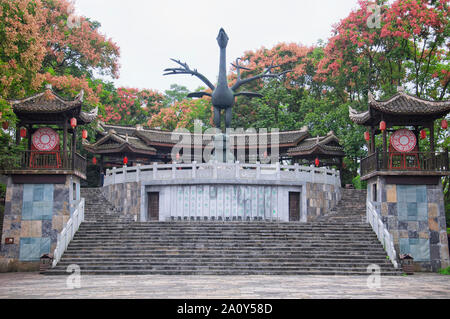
222	149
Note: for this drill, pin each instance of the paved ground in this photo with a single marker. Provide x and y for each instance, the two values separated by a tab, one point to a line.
33	285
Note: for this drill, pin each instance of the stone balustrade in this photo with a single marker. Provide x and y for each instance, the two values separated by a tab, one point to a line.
222	172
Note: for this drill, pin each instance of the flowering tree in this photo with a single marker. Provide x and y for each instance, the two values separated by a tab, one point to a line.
130	106
41	44
182	114
408	48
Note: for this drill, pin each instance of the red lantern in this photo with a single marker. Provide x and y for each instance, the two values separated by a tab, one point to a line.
125	160
84	134
73	122
383	126
23	132
317	162
94	160
367	136
5	125
444	124
423	134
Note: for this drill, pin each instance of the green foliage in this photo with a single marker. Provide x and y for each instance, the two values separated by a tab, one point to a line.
445	271
358	183
9	151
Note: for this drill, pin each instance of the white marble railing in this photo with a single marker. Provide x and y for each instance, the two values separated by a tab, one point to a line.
222	171
382	233
66	235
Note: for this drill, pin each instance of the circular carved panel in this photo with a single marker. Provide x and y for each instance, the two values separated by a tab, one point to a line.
404	141
45	139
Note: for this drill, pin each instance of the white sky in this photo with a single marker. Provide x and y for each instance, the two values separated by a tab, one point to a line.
149	33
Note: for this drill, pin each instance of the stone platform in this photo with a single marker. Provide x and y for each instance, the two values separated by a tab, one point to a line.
35	286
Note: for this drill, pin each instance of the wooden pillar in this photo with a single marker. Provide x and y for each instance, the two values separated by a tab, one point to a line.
385	149
432	146
65	157
74	146
65	136
18	133
29	135
101	171
372	140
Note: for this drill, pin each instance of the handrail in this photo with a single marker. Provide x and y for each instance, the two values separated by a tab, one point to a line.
412	161
382	233
222	171
47	160
69	231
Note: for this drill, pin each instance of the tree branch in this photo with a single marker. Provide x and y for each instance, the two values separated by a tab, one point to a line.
266	74
186	70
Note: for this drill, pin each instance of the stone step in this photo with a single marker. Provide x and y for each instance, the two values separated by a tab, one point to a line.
340	244
236	272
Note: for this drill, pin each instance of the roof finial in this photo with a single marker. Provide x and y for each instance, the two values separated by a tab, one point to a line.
401	89
48	86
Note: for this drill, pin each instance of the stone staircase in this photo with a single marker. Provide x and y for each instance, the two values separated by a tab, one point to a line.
106	245
351	208
98	209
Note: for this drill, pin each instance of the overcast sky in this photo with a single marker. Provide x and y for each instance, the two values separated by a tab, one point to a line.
149	33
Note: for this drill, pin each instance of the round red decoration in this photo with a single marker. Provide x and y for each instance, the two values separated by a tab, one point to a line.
125	160
23	132
444	124
45	139
403	141
84	134
317	162
73	122
382	125
423	134
367	136
94	160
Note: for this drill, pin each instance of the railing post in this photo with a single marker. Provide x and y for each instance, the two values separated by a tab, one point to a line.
278	170
114	170
215	169
194	169
237	167
124	169
174	171
155	169
258	170
138	172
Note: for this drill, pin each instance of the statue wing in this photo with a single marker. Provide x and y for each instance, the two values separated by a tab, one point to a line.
248	94
199	94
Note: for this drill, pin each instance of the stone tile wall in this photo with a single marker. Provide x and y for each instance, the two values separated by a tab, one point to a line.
415	216
125	197
320	199
34	216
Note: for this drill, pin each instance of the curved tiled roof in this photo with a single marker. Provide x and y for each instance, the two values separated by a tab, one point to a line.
401	104
113	142
46	102
319	144
153	136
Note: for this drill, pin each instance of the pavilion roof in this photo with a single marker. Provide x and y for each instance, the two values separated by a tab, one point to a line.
158	137
324	145
401	107
113	143
48	105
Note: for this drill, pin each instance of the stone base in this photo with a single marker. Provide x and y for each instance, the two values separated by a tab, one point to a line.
13	265
414	214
